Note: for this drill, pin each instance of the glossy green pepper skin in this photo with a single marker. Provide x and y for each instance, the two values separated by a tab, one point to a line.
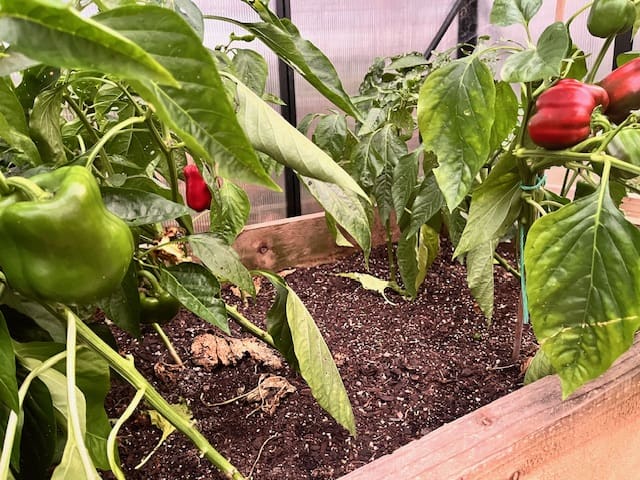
626	147
66	246
159	307
610	17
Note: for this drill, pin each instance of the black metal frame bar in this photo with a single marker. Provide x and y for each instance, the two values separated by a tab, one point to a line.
288	110
623	43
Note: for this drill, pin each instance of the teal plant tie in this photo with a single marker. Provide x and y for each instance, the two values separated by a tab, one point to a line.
523	284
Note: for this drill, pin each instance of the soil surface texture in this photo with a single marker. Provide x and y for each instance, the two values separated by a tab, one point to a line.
408	367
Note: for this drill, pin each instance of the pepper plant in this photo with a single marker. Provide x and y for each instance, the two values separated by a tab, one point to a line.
101	117
496	121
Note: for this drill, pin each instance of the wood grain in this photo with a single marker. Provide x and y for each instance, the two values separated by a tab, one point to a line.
533	434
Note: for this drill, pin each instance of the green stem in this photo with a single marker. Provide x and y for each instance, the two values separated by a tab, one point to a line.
506	265
127	371
113	131
13	422
568	183
390	258
575	15
248	326
601	54
535	205
73	417
167	343
28	188
113	434
87	124
5	189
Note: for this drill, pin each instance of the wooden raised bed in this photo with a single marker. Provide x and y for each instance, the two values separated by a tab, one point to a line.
528	434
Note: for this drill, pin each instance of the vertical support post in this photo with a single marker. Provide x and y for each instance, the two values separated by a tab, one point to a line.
288	110
623	43
467	27
448	20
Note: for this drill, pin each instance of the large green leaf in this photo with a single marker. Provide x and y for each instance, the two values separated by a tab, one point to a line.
38	433
277	324
230	208
13	126
122	306
509	12
136	207
456	111
316	363
405	178
251	68
281	36
415	255
56	34
8	382
390	149
198	290
495	205
44	124
11	62
199	110
543	61
506	114
331	135
270	133
480	276
346	208
582	264
427	202
221	260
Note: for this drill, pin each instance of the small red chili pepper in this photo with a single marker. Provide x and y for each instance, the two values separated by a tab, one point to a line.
198	193
563	116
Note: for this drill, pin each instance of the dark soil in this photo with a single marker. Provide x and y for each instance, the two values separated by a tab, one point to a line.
408	368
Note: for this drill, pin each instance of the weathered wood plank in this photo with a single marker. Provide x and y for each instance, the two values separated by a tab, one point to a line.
533	434
302	241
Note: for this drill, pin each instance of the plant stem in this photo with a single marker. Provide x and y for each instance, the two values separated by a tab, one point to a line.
113	131
248	326
601	54
127	371
390	258
113	434
73	419
506	265
167	343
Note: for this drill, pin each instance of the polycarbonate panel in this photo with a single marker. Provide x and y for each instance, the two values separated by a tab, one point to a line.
266	205
352	34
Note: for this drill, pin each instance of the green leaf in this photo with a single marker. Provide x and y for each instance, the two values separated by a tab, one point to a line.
346	209
510	12
405	177
221	260
38	434
390	149
229	211
539	367
36	312
8	382
11	62
303	56
369	282
427	203
456	111
197	290
13	126
415	255
316	363
277	324
330	135
480	276
541	62
270	133
506	108
495	205
366	163
136	207
44	123
199	110
582	263
251	69
56	34
122	307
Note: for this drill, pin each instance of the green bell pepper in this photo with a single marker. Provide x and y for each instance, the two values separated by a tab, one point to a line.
610	17
156	304
58	241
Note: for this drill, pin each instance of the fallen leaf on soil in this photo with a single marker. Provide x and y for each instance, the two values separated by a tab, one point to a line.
270	390
257	284
284	273
211	350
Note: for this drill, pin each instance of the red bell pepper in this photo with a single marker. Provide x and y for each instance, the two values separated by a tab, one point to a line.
623	87
563	115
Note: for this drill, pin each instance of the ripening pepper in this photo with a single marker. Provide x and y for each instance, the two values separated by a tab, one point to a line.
626	147
198	193
64	246
623	87
156	304
610	17
563	115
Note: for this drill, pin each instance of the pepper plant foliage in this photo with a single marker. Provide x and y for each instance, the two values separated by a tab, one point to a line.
581	255
105	111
